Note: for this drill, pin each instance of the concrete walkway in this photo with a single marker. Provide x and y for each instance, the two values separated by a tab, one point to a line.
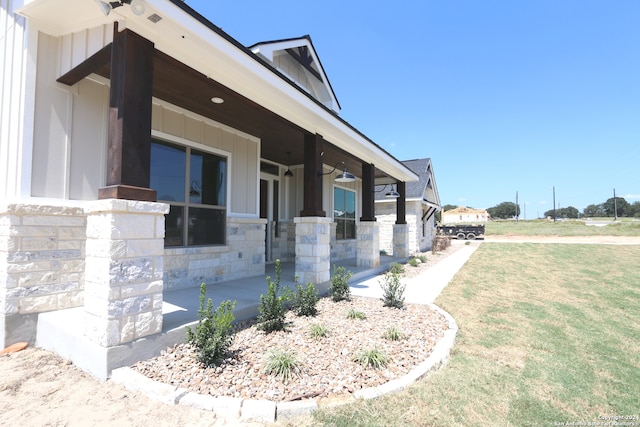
424	288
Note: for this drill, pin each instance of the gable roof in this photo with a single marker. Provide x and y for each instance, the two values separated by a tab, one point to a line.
302	51
417	189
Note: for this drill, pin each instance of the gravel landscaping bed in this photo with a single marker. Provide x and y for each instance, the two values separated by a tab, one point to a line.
326	369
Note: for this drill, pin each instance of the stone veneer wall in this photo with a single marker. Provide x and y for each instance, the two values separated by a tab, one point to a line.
283	247
42	264
342	249
386	217
242	256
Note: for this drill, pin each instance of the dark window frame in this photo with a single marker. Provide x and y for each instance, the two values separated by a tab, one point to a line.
203	199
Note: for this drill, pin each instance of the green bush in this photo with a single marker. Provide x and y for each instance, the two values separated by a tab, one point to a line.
213	335
339	288
392	287
281	364
422	258
414	262
272	309
373	358
396	268
304	300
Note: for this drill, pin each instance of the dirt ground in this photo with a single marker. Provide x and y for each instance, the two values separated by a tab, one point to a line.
37	388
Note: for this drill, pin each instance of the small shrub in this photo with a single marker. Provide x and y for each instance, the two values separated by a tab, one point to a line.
272	310
393	334
318	331
422	258
354	314
339	287
304	300
467	243
213	334
396	268
281	364
371	358
392	287
414	262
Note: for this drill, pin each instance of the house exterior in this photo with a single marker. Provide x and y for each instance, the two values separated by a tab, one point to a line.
422	202
462	214
146	150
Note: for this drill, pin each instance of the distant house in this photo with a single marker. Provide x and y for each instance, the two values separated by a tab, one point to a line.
422	202
145	150
463	214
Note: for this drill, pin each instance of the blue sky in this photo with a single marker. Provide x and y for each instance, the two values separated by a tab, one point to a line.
505	96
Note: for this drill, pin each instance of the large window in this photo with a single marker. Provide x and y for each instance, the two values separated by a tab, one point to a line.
194	183
344	213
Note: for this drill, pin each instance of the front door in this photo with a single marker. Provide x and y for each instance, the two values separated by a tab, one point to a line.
269	197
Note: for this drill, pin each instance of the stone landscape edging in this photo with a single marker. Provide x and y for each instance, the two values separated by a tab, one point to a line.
267	411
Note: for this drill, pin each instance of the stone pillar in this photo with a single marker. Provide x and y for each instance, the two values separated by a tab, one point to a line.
401	240
124	266
313	249
368	254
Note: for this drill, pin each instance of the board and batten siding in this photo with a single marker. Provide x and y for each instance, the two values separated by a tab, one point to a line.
180	126
15	87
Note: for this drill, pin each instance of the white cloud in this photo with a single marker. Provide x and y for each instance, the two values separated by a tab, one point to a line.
632	196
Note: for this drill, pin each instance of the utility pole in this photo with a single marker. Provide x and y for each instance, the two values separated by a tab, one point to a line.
517	207
554	204
615	206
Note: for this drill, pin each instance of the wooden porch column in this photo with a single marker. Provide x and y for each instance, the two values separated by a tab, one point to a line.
368	202
401	203
312	199
129	141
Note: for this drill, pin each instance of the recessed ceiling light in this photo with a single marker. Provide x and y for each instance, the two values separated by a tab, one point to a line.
217	100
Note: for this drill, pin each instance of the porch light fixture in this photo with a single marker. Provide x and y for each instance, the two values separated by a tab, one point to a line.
345	176
391	194
137	7
217	100
288	173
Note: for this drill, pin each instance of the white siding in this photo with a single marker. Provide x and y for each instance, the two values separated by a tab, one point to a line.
15	140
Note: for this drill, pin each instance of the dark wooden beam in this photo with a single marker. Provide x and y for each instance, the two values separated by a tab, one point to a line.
129	141
88	66
368	202
312	199
401	203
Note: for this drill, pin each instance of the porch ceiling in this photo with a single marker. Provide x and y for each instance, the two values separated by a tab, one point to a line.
195	60
181	85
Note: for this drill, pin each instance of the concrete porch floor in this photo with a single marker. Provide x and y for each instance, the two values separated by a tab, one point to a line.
62	331
181	306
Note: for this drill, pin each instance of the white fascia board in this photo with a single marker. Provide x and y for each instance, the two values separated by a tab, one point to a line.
191	42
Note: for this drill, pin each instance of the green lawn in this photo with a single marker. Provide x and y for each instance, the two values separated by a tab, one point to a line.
628	227
549	333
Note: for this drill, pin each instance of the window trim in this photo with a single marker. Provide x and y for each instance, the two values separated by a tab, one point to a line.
355	219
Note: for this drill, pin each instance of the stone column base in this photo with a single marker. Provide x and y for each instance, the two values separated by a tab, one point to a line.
313	249
401	240
368	254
